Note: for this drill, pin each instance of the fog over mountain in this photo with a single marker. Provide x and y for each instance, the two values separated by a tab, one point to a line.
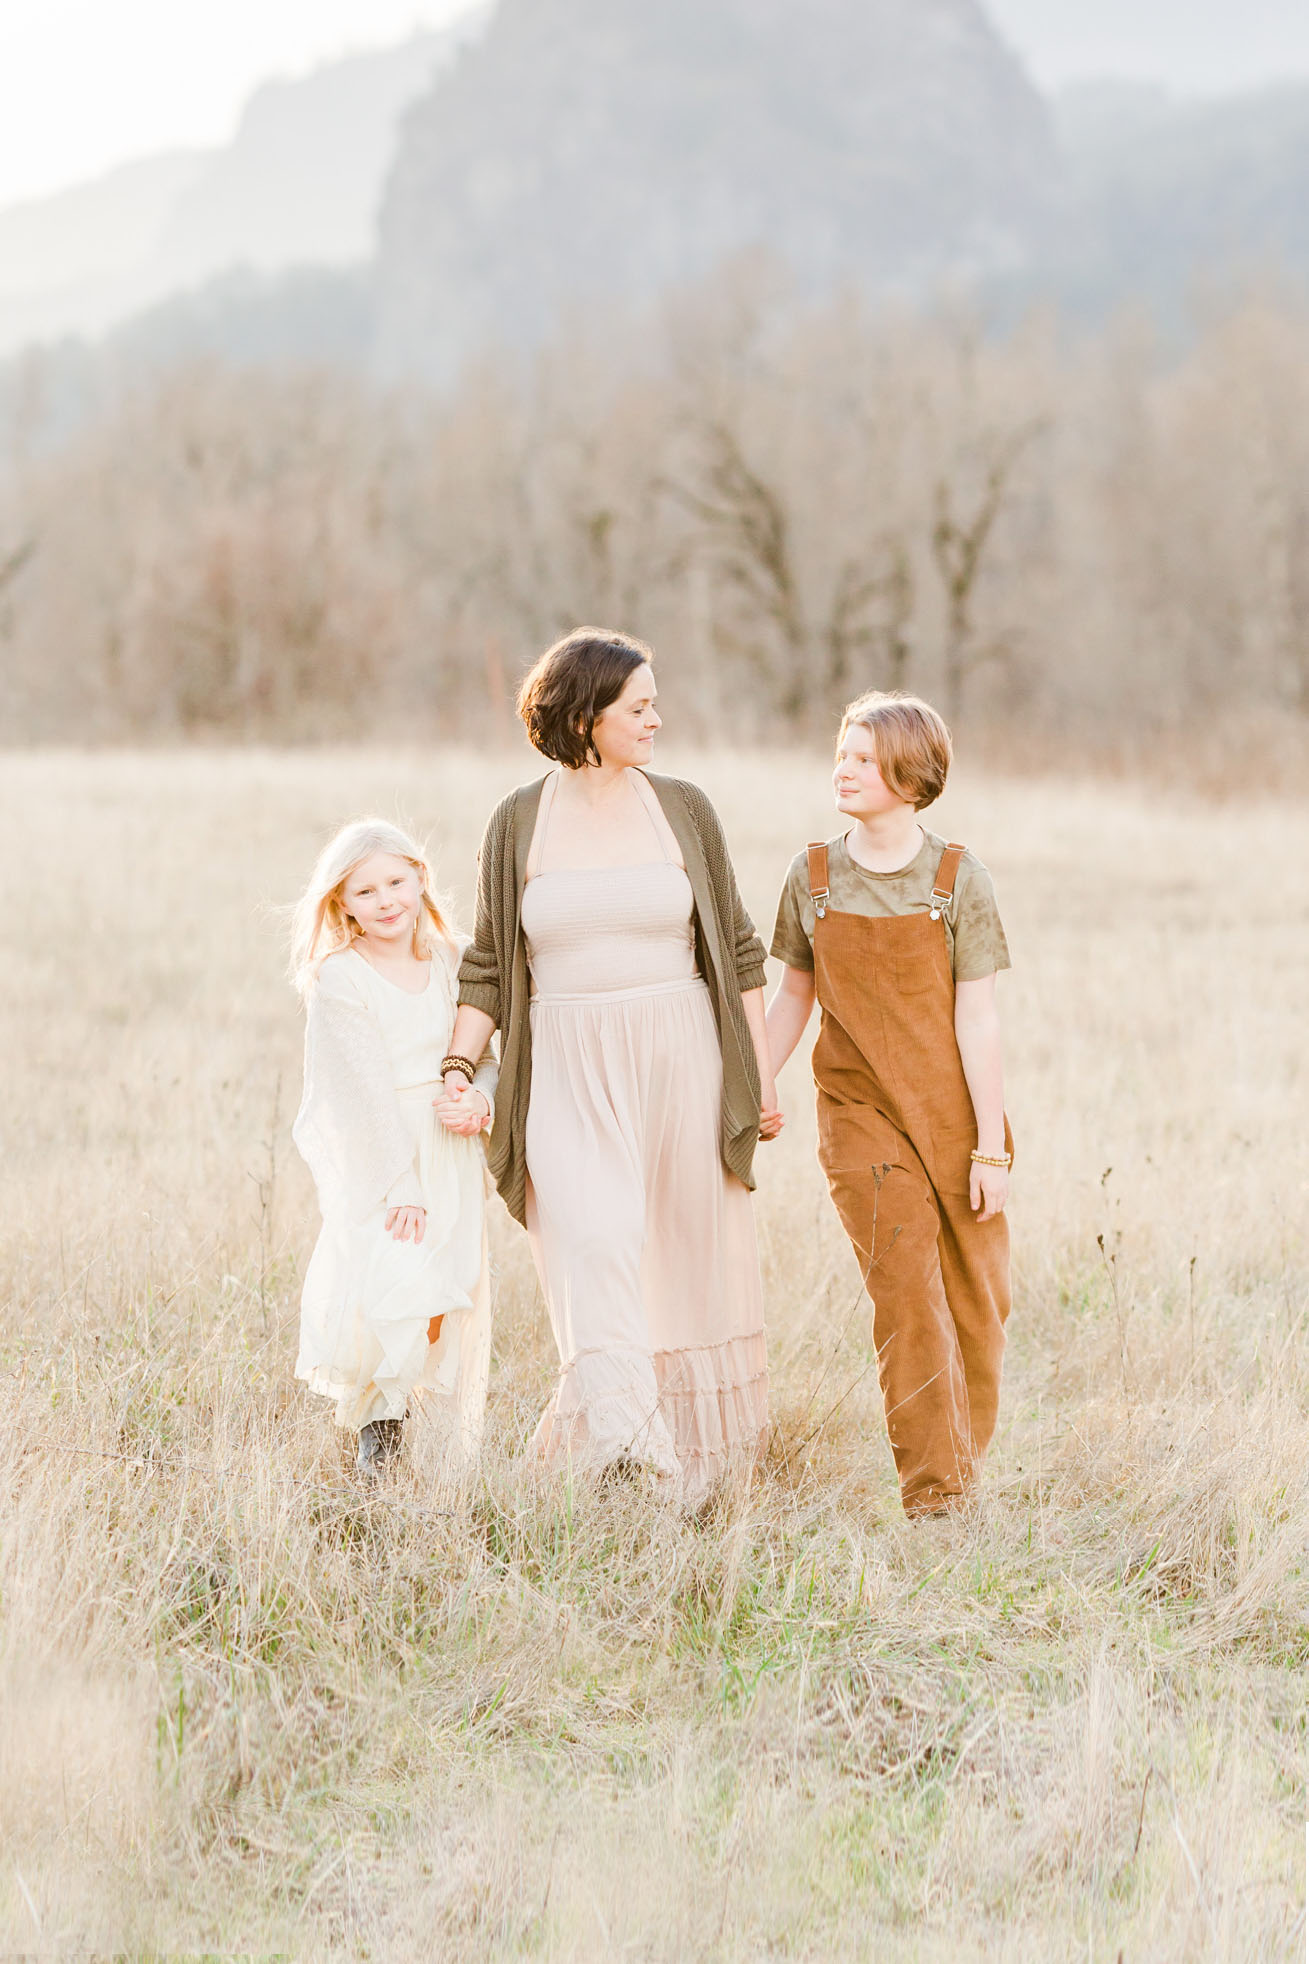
548	153
298	185
1190	47
1162	195
592	149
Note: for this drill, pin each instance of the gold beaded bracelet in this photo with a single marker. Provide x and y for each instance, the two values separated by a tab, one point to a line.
990	1159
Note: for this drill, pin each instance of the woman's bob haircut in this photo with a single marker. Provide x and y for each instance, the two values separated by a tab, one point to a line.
913	746
571	685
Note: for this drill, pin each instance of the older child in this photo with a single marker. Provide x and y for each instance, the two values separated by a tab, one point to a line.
898	936
395	1297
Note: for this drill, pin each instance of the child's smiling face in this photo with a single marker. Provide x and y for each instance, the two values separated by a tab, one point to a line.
382	895
861	790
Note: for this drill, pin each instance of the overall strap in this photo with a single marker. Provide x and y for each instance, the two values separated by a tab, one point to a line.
819	889
946	874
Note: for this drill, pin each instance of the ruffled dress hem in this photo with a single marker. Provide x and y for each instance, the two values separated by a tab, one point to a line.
705	1411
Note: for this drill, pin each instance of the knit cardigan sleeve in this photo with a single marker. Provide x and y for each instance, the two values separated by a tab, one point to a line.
738	927
484	970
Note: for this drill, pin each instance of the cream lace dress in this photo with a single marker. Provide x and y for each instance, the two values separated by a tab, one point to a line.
367	1129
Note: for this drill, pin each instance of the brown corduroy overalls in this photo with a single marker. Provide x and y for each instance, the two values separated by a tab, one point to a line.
896	1129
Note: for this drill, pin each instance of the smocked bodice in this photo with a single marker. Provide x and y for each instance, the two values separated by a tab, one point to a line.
596	930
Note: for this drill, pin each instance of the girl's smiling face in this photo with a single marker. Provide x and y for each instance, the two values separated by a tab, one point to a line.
624	733
382	895
861	790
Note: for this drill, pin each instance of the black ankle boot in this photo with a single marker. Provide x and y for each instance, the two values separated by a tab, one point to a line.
379	1442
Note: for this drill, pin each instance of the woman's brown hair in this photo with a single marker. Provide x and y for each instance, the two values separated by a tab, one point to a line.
571	685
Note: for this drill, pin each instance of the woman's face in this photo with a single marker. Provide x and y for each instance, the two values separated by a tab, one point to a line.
382	896
624	733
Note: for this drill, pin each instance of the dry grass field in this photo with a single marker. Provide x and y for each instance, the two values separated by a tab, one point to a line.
245	1708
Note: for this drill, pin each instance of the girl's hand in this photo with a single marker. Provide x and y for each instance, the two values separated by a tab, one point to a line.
988	1191
771	1119
463	1111
402	1222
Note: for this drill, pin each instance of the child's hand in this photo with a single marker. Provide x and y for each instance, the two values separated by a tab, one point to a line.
402	1222
771	1119
462	1110
988	1191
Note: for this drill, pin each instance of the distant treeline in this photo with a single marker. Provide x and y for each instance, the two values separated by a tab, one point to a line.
791	504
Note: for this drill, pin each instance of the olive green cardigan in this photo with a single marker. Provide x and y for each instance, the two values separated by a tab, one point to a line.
493	975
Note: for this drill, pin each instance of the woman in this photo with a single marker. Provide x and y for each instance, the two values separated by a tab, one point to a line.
612	951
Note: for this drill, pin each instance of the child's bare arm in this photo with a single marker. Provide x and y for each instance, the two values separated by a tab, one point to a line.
977	1032
789	1012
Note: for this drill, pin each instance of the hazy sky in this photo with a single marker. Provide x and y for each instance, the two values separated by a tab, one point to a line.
1194	46
85	84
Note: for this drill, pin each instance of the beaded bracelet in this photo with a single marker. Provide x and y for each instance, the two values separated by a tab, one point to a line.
459	1064
991	1159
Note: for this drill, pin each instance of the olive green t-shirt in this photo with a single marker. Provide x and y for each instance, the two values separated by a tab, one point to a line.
973	930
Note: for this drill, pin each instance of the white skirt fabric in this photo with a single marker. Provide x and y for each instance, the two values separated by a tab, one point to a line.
644	1241
369	1299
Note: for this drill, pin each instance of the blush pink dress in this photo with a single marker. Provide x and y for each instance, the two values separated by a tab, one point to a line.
643	1240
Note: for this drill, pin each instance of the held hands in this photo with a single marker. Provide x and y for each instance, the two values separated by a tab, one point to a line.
771	1118
988	1191
460	1108
402	1222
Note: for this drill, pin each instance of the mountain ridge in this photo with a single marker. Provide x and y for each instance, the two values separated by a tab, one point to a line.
893	142
298	184
1133	194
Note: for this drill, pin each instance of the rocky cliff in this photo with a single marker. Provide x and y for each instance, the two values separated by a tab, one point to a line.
593	149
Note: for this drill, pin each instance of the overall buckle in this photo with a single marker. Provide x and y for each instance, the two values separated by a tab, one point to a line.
820	899
940	901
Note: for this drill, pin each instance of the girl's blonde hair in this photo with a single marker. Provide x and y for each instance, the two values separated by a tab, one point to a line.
320	925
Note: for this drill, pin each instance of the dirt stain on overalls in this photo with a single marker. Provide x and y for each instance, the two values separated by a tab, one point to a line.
896	1130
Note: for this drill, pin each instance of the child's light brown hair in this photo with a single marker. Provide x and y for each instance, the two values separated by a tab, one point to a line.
913	746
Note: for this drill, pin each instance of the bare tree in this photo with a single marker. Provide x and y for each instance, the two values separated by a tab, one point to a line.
746	534
872	610
959	546
792	502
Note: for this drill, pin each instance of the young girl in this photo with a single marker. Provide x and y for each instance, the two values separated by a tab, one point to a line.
898	937
396	1300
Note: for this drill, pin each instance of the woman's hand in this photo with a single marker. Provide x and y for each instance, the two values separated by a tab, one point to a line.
988	1191
402	1222
770	1112
461	1109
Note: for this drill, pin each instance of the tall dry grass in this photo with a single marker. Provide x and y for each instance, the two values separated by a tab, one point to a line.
244	1707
